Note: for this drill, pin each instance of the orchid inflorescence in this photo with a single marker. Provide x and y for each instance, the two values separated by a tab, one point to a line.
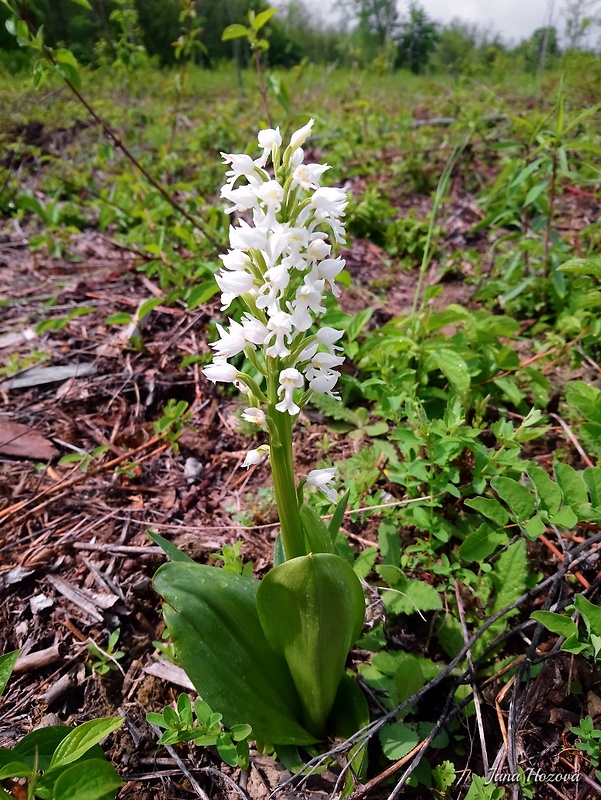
281	265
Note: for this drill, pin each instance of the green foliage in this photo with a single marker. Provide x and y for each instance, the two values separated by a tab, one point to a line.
59	762
198	723
585	640
589	742
105	660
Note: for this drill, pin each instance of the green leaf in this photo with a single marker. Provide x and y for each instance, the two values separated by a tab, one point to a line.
482	543
489	508
409	678
591	614
556	623
453	367
119	318
592	478
94	779
535	527
263	18
316	531
519	499
338	516
565	518
83	3
39	745
174	553
7	663
312	610
215	628
14	769
397	740
227	749
549	493
234	32
389	542
81	739
509	575
572	485
148	306
407	595
350	713
202	293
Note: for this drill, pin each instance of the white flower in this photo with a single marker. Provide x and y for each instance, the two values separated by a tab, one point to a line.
245	237
299	137
318	249
308	296
321	478
327	337
270	138
329	199
233	284
307	176
243	198
323	361
220	370
324	382
241	165
280	326
254	415
255	456
254	330
231	342
235	260
290	379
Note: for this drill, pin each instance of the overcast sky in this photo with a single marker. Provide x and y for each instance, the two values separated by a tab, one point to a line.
514	19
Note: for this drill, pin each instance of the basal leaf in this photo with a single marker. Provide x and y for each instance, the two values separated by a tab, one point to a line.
214	625
312	610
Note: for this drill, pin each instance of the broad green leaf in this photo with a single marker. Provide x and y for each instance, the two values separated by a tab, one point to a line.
202	293
509	575
89	780
453	367
365	561
15	769
409	678
7	663
227	749
81	739
312	610
234	32
482	543
549	493
592	478
214	625
83	3
263	18
565	518
450	635
350	713
519	499
407	596
583	266
40	745
398	739
590	613
389	542
556	623
489	508
534	527
572	485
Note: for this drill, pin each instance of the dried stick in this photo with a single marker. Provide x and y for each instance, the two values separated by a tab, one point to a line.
470	661
172	752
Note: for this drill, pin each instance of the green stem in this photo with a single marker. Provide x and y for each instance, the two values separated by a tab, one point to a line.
282	467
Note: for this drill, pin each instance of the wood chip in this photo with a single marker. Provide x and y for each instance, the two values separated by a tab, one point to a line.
39	659
21	441
38	376
89	602
171	673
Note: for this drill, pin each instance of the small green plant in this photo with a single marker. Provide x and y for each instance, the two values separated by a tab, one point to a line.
59	762
171	424
584	640
198	723
589	742
104	661
232	561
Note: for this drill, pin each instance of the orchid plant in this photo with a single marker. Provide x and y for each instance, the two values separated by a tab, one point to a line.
271	653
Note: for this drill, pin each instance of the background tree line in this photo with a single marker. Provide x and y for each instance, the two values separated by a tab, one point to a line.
381	34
